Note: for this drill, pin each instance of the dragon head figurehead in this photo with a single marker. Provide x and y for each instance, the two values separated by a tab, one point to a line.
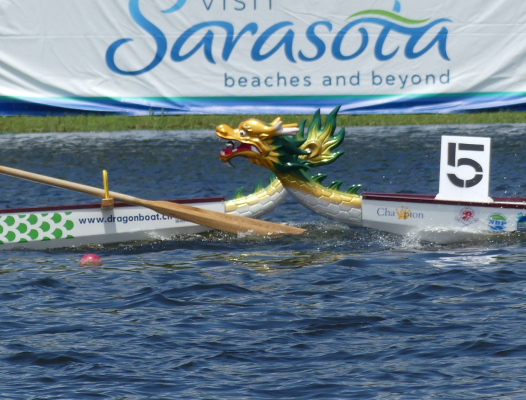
290	153
263	144
282	148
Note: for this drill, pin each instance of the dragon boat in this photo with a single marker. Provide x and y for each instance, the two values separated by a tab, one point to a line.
89	224
108	222
461	210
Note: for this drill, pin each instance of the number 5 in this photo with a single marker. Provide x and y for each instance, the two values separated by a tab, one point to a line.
452	161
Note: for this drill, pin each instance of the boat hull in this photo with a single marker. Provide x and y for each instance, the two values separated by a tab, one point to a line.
442	221
89	224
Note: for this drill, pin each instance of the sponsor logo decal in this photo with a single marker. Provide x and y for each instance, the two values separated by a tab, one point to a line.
497	222
521	222
402	213
467	216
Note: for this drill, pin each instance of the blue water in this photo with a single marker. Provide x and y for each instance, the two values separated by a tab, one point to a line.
336	313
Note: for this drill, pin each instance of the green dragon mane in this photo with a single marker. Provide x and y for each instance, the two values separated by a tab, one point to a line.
296	155
310	150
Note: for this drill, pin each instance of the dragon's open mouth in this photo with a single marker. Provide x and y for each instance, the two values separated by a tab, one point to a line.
231	150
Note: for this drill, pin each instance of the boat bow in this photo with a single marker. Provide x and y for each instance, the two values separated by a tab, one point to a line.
289	152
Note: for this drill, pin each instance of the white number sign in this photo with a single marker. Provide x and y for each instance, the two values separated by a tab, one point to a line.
464	169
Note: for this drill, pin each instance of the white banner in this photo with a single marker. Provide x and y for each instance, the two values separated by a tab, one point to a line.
261	56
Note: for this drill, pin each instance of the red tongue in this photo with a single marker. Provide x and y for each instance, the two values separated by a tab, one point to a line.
230	150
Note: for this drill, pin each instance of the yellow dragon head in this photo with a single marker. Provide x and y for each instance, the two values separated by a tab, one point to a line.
256	140
282	148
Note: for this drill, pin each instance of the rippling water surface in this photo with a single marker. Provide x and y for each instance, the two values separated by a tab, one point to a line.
335	313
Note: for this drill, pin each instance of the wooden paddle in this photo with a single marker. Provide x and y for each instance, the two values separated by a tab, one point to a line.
212	219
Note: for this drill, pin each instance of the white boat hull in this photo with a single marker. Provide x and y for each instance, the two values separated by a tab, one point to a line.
442	221
55	227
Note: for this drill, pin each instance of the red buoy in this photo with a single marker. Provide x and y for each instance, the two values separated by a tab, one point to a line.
90	260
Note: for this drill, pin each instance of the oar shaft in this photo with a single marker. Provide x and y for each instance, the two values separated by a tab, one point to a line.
212	219
76	187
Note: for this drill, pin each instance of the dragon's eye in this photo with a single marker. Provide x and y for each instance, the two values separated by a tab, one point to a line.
242	132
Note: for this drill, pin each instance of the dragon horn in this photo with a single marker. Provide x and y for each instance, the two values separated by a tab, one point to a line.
285	130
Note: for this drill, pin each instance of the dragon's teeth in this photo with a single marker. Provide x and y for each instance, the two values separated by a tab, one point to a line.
227	163
254	149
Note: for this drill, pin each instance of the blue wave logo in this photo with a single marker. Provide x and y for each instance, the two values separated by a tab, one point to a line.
393	22
416	31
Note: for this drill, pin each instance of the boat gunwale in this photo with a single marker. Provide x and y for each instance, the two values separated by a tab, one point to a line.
98	205
499	202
